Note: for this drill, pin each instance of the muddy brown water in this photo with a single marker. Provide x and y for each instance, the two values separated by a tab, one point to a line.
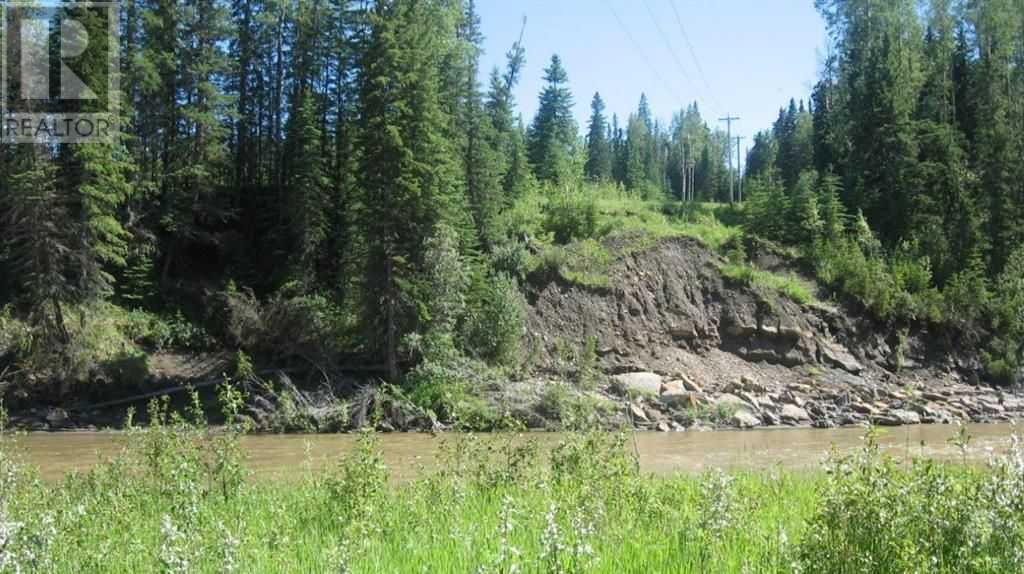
663	454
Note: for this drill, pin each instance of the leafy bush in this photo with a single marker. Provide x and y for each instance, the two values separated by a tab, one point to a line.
498	323
585	263
571	216
451	389
967	296
898	288
15	337
1005	358
308	327
879	516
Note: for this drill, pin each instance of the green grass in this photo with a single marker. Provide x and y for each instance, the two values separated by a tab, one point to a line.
793	287
607	224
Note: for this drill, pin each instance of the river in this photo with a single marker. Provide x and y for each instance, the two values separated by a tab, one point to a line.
288	457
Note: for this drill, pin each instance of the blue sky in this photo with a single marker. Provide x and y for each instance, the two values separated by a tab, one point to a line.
754	54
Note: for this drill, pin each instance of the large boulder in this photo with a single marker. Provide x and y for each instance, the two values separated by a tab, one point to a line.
731	401
838	357
899	417
677	397
794	415
745	420
648	384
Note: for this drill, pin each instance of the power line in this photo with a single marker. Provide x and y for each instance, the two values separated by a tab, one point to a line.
668	44
693	53
639	50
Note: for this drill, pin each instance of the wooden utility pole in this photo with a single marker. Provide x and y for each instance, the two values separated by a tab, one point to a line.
693	180
739	168
687	190
728	122
683	173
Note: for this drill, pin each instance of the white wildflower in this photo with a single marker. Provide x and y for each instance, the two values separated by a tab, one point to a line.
173	554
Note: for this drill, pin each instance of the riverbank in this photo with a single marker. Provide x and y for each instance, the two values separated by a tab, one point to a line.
179	498
765	397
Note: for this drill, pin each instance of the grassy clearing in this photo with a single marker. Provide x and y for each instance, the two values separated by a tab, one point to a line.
179	499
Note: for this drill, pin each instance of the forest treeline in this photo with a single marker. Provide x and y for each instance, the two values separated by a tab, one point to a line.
903	174
328	181
331	168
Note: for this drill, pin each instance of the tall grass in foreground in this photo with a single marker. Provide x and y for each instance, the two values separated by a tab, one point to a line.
178	500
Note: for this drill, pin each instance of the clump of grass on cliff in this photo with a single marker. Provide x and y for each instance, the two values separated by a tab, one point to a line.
791	286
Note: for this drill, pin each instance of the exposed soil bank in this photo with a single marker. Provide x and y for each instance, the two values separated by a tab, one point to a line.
681	339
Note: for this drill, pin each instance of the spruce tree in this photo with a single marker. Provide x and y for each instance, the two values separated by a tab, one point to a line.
307	185
637	148
599	152
833	212
997	30
39	236
408	178
552	137
805	224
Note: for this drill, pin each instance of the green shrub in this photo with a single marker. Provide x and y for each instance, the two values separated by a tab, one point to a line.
15	337
967	296
571	216
497	324
451	390
585	263
879	516
129	369
311	327
1005	357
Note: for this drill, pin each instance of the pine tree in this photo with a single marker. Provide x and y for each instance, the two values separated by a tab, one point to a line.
767	210
510	140
484	165
599	152
552	137
998	30
407	173
878	47
833	212
637	147
39	235
194	155
94	178
620	152
307	186
762	159
794	133
804	221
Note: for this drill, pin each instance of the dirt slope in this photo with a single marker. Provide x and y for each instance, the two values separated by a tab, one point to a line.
671	313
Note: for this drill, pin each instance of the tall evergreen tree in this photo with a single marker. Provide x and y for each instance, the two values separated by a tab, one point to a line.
552	137
307	186
997	32
408	177
599	151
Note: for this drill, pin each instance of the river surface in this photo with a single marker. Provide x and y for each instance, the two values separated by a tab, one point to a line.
406	455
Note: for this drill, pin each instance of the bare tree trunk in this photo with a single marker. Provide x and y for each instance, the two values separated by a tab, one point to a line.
391	337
